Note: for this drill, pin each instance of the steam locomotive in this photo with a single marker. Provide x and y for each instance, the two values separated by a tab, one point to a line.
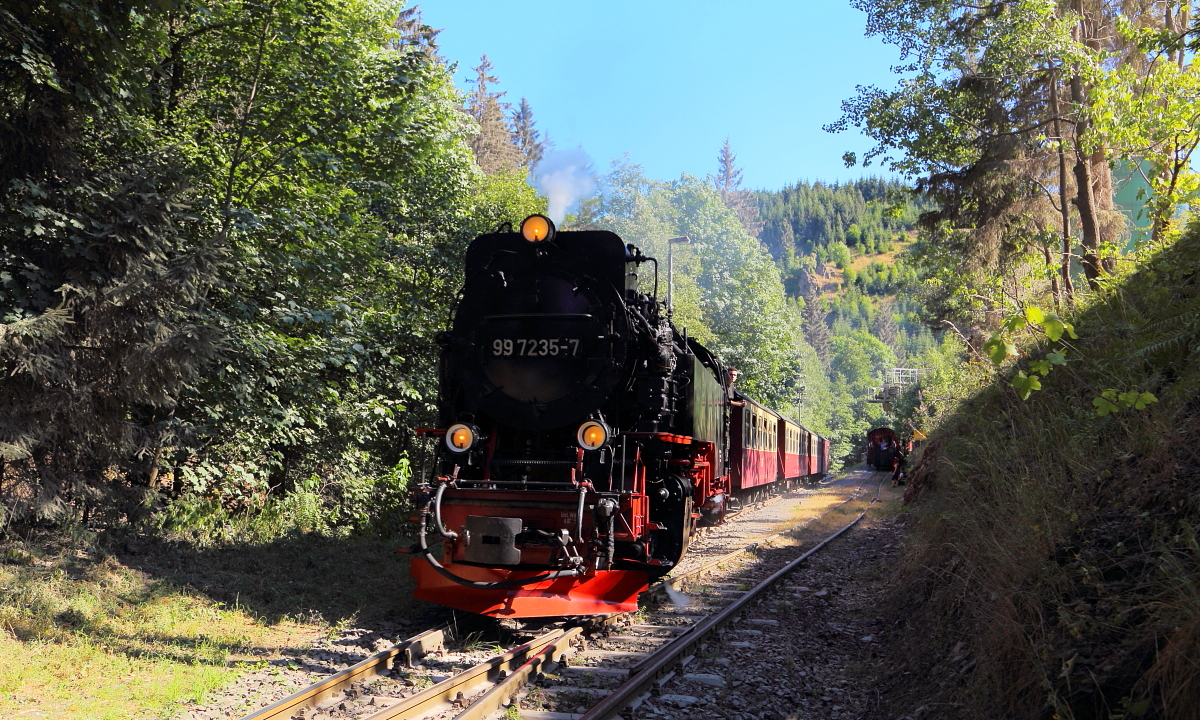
583	437
881	447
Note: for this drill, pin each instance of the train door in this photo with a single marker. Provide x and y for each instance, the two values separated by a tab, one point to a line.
781	447
739	436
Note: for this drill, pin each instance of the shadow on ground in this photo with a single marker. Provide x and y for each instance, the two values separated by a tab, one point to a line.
306	578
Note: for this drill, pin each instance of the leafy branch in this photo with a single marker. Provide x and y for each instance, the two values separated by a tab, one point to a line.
1001	346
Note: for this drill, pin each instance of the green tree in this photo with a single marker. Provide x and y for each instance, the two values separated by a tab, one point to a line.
728	293
229	236
104	268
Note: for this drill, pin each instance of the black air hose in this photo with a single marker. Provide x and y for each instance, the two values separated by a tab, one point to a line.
437	514
553	575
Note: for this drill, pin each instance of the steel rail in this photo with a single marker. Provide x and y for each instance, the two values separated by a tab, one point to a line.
502	693
407	651
660	663
449	690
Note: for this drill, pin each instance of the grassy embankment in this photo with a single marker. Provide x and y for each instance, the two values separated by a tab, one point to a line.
1055	555
132	628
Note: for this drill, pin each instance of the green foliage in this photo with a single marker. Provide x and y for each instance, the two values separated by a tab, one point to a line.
1066	519
230	233
727	291
999	349
1111	401
1025	384
1001	346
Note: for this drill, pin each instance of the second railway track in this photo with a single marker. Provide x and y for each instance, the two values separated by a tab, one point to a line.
588	670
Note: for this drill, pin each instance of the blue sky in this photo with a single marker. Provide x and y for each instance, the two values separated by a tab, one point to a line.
666	80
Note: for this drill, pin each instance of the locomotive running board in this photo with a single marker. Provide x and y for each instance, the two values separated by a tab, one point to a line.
604	593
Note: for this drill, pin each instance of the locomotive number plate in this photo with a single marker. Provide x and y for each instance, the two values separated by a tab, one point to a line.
532	347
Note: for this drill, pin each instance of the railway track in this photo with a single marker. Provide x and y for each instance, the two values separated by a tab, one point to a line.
584	671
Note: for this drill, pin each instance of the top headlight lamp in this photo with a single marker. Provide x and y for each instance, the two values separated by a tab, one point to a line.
537	228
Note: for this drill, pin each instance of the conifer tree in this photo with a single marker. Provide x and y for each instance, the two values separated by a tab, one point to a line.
729	184
886	329
495	146
527	136
815	329
415	33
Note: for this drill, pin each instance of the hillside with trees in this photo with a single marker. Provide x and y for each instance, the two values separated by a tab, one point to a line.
1052	568
840	250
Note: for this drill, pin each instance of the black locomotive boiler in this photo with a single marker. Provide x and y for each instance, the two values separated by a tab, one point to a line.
582	438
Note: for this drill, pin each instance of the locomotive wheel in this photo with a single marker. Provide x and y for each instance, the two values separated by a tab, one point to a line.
671	544
674	511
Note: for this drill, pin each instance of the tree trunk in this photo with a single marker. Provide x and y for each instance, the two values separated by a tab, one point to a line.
1068	288
1085	199
1053	278
1111	222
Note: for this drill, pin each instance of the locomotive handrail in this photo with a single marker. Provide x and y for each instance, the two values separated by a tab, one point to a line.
583	491
437	513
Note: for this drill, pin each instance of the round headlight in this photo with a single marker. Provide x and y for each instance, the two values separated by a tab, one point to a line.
537	228
592	435
461	437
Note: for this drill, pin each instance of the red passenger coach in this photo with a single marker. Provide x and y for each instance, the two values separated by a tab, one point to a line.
752	452
803	454
808	452
791	451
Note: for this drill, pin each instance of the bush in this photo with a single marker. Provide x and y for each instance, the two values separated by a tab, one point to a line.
839	255
374	506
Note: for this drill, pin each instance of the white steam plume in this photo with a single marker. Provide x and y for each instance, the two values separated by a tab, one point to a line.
564	177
